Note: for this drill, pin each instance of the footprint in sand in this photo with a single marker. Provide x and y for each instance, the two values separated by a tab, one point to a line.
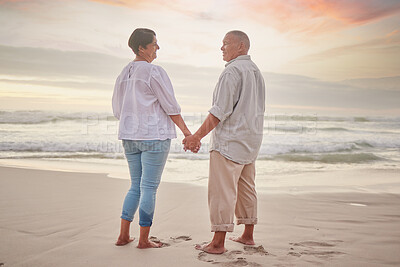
314	248
240	262
156	240
233	254
250	250
233	257
203	256
223	259
312	244
296	254
177	239
181	238
322	254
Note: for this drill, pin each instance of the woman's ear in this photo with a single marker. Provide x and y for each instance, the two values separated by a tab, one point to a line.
140	48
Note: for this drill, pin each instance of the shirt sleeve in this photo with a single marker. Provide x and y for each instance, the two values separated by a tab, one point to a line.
161	87
117	98
225	96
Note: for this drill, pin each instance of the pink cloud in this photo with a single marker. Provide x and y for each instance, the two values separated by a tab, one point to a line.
353	12
11	1
388	45
128	3
195	9
316	16
296	16
393	33
22	5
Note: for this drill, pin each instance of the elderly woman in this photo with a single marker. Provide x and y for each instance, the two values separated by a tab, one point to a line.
145	105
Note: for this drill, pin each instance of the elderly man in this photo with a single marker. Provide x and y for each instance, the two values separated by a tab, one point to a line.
237	115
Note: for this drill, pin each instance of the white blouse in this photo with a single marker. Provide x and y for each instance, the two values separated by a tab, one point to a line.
142	101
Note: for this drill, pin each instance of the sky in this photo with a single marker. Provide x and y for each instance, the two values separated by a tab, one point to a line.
330	57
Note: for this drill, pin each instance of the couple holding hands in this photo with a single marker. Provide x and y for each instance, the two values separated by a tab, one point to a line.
145	105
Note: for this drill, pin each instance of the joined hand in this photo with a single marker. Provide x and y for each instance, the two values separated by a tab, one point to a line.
192	143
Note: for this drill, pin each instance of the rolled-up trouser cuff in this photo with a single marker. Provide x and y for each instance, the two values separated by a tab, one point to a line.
145	224
222	228
246	221
126	218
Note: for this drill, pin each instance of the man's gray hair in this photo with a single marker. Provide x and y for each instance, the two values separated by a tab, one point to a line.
242	37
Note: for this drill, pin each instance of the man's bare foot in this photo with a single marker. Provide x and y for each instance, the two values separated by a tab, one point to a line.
149	244
242	240
124	241
210	248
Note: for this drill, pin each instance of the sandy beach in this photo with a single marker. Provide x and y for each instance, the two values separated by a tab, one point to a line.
51	218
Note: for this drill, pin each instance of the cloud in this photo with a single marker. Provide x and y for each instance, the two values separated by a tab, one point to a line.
13	1
373	58
130	3
388	46
298	16
61	84
296	91
203	10
317	16
354	11
23	5
55	64
193	85
383	84
393	33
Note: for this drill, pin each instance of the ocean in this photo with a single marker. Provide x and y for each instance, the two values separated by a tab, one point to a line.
292	144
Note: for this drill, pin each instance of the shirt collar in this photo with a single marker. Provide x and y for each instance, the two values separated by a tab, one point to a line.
242	57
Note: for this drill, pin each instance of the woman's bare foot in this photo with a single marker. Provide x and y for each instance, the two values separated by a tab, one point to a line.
124	241
210	248
149	244
242	240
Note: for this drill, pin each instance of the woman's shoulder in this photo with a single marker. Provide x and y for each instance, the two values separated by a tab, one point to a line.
158	69
144	66
146	71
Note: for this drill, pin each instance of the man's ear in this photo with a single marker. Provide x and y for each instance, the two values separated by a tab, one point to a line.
242	47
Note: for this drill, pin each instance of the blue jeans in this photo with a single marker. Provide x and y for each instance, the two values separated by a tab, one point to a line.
146	160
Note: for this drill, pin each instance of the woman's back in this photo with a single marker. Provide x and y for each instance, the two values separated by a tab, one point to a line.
142	100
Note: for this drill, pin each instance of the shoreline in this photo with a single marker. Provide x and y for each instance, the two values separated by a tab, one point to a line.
195	172
52	218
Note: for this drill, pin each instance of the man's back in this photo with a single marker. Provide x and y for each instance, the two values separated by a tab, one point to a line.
239	103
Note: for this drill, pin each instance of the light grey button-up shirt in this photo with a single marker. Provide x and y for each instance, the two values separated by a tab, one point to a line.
239	104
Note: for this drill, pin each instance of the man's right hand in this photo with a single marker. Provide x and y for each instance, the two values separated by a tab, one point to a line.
191	142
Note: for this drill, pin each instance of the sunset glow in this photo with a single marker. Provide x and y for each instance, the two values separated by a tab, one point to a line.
82	45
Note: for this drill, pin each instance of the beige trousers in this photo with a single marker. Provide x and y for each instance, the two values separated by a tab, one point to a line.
231	191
